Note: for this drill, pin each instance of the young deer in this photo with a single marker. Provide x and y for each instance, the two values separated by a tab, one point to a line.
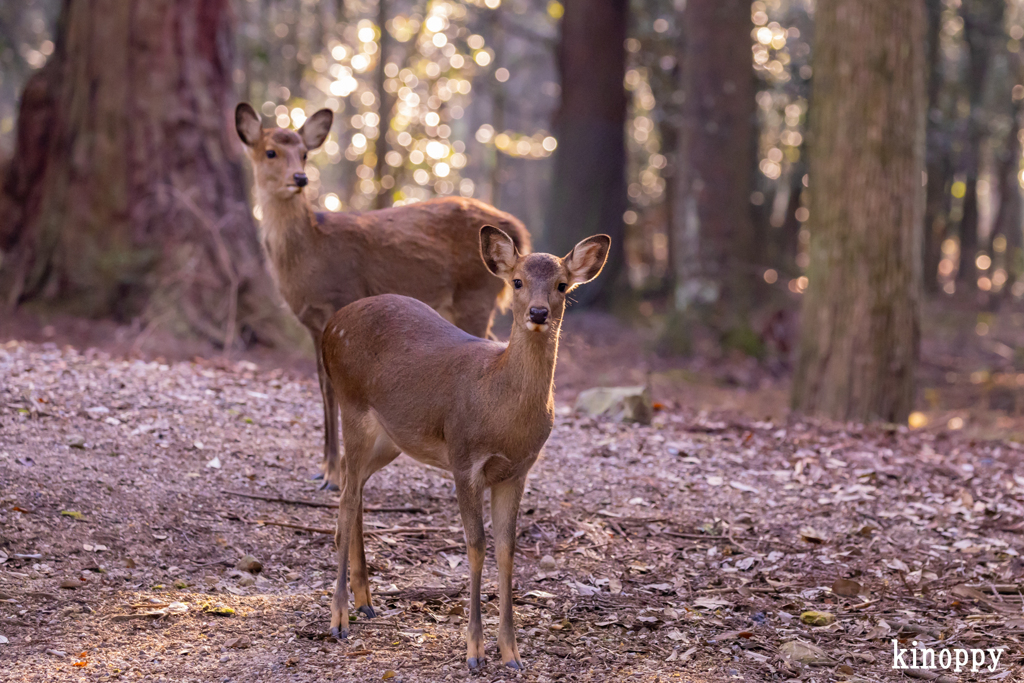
324	261
407	380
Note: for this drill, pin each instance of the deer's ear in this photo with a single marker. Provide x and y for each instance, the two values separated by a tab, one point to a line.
247	123
587	258
316	128
498	251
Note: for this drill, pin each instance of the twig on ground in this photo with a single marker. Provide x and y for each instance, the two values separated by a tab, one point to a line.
316	503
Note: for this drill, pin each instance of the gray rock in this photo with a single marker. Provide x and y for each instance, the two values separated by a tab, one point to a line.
547	563
623	404
76	441
247	580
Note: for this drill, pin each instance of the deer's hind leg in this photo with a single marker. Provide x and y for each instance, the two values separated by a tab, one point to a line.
382	452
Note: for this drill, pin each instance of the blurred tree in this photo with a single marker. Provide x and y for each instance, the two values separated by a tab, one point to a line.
713	235
860	324
939	151
125	197
588	195
983	34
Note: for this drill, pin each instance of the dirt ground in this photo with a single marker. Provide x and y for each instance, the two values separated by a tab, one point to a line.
687	550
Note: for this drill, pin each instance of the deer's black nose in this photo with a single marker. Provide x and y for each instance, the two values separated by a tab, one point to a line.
300	179
538	315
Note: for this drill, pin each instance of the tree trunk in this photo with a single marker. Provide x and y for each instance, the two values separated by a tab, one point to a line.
983	29
385	104
126	196
714	231
588	195
860	323
939	161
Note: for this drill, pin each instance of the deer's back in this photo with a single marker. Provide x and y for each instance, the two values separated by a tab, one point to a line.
429	251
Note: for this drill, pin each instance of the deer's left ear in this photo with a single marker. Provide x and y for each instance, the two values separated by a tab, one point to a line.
247	124
316	128
587	258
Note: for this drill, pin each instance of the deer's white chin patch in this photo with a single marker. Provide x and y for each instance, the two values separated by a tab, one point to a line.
534	327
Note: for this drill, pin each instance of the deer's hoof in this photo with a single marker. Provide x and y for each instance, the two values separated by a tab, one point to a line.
514	664
328	486
367	611
475	663
317	477
339	634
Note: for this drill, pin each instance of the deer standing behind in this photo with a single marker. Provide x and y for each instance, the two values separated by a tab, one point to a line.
409	381
324	261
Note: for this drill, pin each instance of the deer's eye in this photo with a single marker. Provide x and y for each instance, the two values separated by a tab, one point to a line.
518	284
561	287
271	154
304	156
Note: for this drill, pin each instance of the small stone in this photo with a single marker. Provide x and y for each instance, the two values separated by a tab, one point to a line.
181	585
247	580
547	563
210	580
76	441
238	642
293	576
57	653
224	659
249	564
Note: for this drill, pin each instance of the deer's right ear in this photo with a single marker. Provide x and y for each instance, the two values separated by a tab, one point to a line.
498	251
247	123
316	128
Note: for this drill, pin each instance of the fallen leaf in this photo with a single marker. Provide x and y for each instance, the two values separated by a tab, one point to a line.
814	618
898	565
811	536
847	588
711	602
73	514
214	464
238	642
805	653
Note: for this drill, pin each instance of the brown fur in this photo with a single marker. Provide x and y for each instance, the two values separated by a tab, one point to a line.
325	261
409	381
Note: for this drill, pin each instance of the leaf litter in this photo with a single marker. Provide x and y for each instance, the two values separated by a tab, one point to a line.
700	547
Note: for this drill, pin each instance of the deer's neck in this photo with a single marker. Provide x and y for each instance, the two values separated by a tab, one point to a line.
286	227
527	367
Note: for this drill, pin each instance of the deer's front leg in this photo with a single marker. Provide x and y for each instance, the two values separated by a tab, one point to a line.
472	509
505	499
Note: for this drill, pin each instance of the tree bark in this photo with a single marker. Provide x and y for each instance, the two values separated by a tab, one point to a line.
983	29
126	194
588	194
714	233
860	323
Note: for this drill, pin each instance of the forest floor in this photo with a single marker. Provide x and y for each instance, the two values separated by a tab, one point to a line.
686	550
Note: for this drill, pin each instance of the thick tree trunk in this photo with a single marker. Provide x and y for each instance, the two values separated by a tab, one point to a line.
714	231
860	323
126	195
588	195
